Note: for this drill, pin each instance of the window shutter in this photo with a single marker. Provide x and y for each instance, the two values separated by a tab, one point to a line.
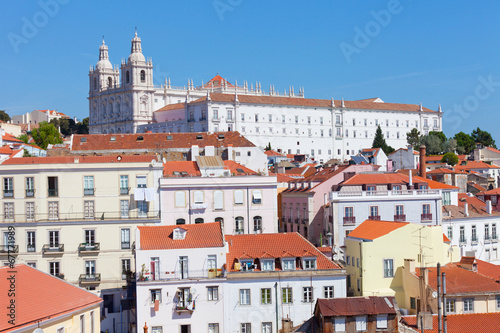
180	199
218	200
198	197
238	197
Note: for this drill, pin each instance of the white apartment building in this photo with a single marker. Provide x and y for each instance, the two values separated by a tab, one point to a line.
191	278
76	217
37	116
126	100
387	197
211	190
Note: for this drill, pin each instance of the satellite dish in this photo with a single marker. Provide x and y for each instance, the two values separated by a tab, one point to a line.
434	294
38	330
119	158
194	291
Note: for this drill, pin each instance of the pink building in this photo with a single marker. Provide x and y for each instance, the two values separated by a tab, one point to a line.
304	201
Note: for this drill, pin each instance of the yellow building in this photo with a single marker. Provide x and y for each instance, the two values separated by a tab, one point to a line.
33	299
376	251
76	217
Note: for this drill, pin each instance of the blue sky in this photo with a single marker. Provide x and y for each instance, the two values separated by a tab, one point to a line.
401	51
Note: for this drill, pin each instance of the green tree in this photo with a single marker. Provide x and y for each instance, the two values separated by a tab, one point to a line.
465	143
83	126
483	137
26	153
433	144
379	142
4	116
24	138
450	158
413	138
439	135
268	147
46	134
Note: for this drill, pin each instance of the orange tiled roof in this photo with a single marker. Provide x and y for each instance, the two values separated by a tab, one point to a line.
475	165
10	138
459	212
493	149
191	167
40	296
471	322
80	159
488	269
310	102
446	239
494	191
172	107
371	229
462	281
217	81
197	236
98	142
464	197
283	178
439	171
273	153
277	246
352	306
6	150
237	168
476	186
434	185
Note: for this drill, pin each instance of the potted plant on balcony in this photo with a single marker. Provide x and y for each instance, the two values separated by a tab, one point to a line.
143	273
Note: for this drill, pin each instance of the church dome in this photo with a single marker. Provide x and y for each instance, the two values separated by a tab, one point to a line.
103	62
139	57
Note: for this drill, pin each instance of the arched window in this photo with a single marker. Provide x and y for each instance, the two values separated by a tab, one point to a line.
180	221
143	76
219	219
257	224
239	225
198	220
110	82
127	77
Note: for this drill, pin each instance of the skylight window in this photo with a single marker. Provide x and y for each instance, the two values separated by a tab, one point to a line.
169	137
83	140
140	138
240	170
184	173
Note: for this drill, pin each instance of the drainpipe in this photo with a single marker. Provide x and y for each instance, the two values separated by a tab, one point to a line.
248	211
445	328
276	295
440	325
189	203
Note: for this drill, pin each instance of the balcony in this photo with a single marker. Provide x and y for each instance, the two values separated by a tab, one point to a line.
426	217
474	240
230	120
202	118
289	220
181	275
184	307
216	119
90	278
53	192
132	214
305	221
297	220
374	217
89	247
349	220
88	191
124	190
6	249
30	193
494	238
239	231
31	248
125	245
53	249
462	241
59	275
487	239
190	120
283	219
392	193
400	218
8	193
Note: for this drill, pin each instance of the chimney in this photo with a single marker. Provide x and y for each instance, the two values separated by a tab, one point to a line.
410	181
195	151
230	152
488	207
209	151
466	209
410	265
422	162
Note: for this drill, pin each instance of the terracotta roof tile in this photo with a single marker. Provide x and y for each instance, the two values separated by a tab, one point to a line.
464	197
476	186
475	165
457	323
352	306
238	169
80	159
10	138
459	212
172	107
197	236
371	229
123	142
439	171
494	191
493	149
273	153
191	167
276	245
40	296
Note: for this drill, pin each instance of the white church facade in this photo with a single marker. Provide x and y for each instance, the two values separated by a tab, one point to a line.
125	100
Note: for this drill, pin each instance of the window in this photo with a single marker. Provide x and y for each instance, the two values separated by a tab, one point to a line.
337	119
198	197
199	220
52	186
265	296
354	134
256	118
142	208
239	226
257	197
90	268
348	211
347	134
246	328
399	210
54	268
125	268
82	317
446	198
462	234
381	321
155	295
213	293
286	295
88	185
267	328
468	304
218	200
229	115
238	197
357	262
143	76
310	263
498	301
348	260
450	232
53	239
53	210
157	329
307	294
215	114
268	265
30	211
339	323
88	209
283	118
141	181
288	264
124	208
125	239
124	185
8	211
30	186
373	211
244	296
213	328
388	268
360	323
486	231
450	305
31	244
257	224
354	122
180	199
473	234
426	212
328	292
90	237
339	131
494	231
8	187
413	303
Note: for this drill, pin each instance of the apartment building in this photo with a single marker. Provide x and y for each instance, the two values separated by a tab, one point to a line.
76	217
